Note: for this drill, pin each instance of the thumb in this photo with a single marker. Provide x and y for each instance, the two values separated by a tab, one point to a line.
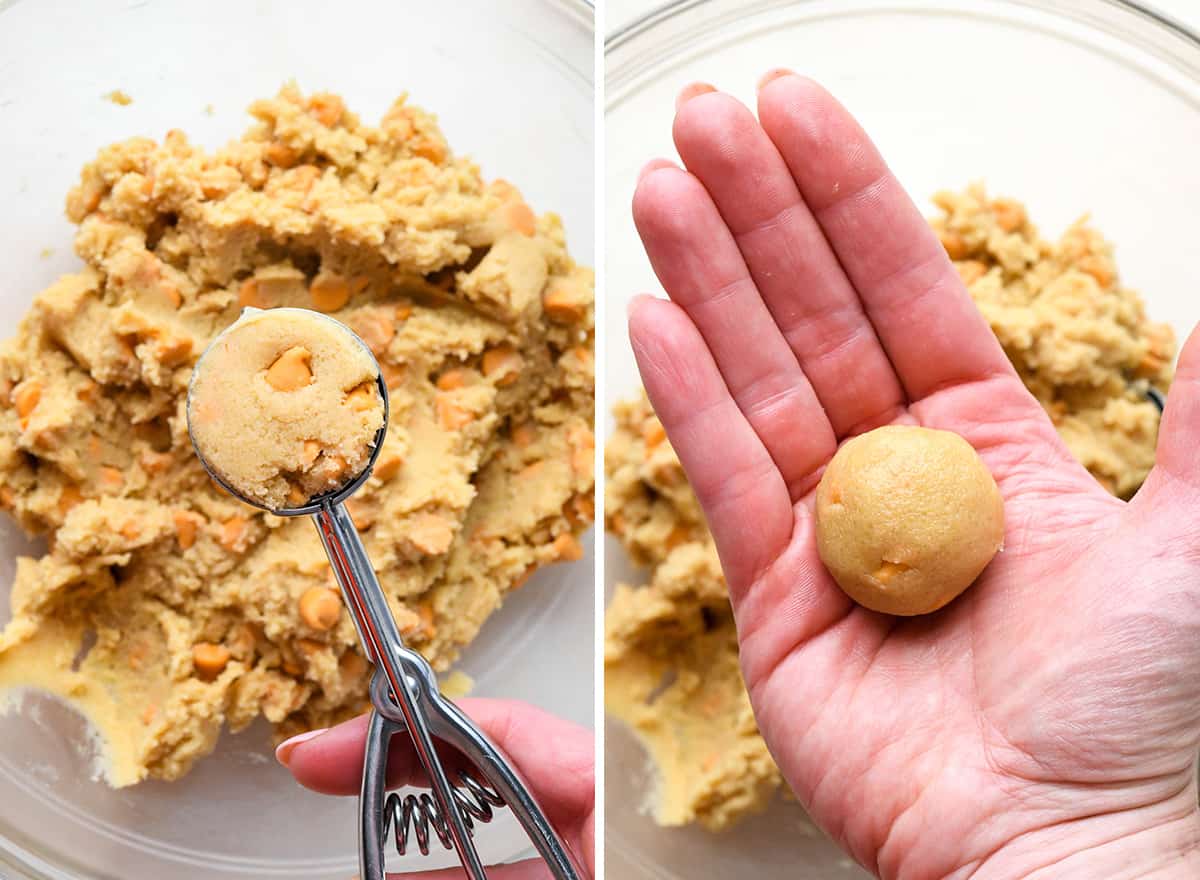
1176	474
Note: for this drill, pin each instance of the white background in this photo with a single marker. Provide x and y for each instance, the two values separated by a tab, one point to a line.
620	12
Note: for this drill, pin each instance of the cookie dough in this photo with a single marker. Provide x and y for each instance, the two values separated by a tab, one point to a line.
166	609
1078	337
670	653
1083	345
284	406
907	518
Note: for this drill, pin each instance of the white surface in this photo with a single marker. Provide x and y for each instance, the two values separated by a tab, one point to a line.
474	63
1063	116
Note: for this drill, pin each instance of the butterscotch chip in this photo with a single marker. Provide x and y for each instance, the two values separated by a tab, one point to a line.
291	371
431	533
388	465
187	525
562	307
329	293
502	364
234	532
567	547
210	660
451	415
320	608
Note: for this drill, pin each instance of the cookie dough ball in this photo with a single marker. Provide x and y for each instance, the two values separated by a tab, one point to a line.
285	405
907	518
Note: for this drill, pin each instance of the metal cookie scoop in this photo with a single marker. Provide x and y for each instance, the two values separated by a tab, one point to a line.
405	696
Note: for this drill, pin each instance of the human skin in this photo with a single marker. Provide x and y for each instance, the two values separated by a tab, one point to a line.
555	757
1047	722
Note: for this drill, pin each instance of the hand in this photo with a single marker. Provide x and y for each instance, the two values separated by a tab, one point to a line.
1046	723
554	757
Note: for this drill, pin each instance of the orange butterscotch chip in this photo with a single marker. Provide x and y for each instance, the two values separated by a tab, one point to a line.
425	612
502	363
68	497
111	479
431	533
560	306
320	608
155	462
520	218
1098	268
653	433
234	532
328	109
250	295
431	150
1010	216
583	450
280	154
388	465
186	526
451	416
87	391
171	292
329	292
210	660
171	348
452	380
970	271
291	370
676	536
25	398
362	397
956	248
567	548
311	449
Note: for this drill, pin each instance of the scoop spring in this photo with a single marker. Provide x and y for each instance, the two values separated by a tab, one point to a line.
419	813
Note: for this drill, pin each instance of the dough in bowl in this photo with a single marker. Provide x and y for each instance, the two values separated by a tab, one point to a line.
907	518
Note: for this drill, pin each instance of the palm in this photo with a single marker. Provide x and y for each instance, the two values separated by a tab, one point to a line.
886	727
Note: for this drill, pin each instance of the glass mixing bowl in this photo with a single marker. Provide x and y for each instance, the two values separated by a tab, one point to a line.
501	77
1072	106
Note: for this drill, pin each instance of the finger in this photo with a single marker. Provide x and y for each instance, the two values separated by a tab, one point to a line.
795	270
932	332
740	489
1176	464
654	165
698	263
554	756
531	869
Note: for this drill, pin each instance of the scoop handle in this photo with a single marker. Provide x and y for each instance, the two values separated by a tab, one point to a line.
383	646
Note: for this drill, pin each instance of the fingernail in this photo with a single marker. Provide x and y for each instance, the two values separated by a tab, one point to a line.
636	303
283	752
690	91
652	165
774	74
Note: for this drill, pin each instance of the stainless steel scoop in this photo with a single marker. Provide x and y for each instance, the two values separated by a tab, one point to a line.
405	696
